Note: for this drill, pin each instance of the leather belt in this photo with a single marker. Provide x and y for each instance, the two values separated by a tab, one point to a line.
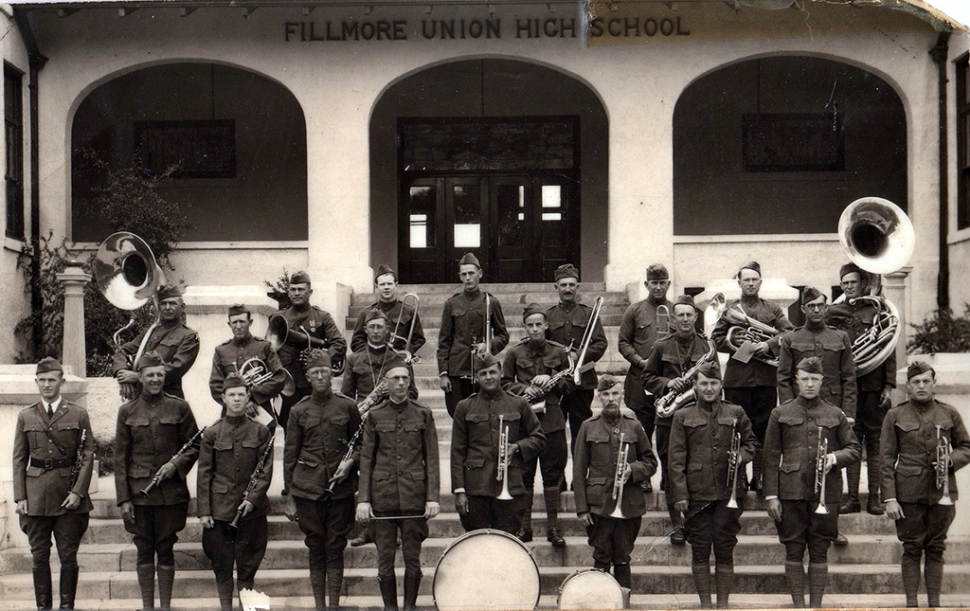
51	463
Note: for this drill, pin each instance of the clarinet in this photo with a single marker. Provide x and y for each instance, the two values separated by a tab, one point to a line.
76	469
253	481
188	444
365	406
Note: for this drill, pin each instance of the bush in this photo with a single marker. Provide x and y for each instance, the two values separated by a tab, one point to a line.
941	332
277	289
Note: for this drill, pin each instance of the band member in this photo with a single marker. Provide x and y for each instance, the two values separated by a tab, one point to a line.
387	302
527	370
155	443
399	477
235	471
874	388
703	437
319	479
671	358
640	328
53	459
599	464
752	383
792	474
475	439
463	332
175	343
313	322
567	324
231	355
915	477
366	367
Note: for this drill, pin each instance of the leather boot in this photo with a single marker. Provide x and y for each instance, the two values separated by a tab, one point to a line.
68	586
553	534
702	583
388	591
412	583
43	589
621	572
724	580
676	520
318	583
874	504
933	575
166	580
818	574
526	523
225	594
850	504
146	583
911	578
795	576
335	581
625	593
244	585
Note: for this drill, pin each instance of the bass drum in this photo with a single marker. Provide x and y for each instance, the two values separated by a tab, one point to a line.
590	589
486	569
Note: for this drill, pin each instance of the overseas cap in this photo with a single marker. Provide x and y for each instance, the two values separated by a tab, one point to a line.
238	308
752	265
710	370
656	271
533	308
47	364
810	364
169	291
810	293
567	270
606	382
384	269
233	380
470	259
484	362
918	367
318	358
150	359
300	277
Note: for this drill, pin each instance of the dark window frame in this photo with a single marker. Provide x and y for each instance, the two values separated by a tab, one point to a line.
13	118
962	65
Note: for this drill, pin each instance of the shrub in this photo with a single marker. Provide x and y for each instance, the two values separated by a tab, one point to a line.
277	289
941	332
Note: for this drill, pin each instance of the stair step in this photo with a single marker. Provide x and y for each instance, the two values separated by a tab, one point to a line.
520	295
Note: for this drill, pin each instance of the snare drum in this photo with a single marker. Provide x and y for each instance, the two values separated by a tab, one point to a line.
486	569
590	589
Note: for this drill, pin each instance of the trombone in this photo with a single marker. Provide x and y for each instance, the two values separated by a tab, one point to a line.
502	473
618	484
823	450
406	350
487	335
594	317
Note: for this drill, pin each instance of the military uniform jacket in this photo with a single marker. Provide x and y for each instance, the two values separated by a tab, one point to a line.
316	323
594	465
399	458
791	446
639	332
317	435
45	489
523	362
175	343
366	369
567	325
838	368
754	372
474	442
700	444
229	358
230	450
463	324
358	341
908	449
855	320
151	430
670	359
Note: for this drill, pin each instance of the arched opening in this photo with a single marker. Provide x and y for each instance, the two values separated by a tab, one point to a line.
499	157
781	145
236	138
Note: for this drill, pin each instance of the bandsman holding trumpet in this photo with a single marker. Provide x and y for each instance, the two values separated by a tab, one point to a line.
156	445
924	442
807	443
710	442
405	321
235	470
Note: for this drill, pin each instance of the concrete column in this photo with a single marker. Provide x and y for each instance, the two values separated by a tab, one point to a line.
73	279
895	287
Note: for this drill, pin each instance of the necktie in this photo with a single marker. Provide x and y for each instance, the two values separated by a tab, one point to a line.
50	411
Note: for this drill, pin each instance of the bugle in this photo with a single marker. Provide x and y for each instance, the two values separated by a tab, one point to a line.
820	471
622	456
734	465
594	317
943	466
502	472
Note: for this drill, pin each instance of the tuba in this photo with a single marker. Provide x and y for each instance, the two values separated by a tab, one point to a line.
876	235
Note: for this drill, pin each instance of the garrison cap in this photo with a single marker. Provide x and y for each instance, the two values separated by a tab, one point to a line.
233	380
684	300
383	269
395	362
150	359
567	270
484	362
238	308
810	364
810	293
656	271
710	370
300	277
373	314
850	268
470	259
606	382
917	368
752	265
169	291
533	308
47	364
318	358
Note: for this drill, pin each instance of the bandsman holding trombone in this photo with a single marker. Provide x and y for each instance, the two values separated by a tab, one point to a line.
405	321
924	441
710	442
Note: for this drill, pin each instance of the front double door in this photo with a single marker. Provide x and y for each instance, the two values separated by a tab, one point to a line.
521	227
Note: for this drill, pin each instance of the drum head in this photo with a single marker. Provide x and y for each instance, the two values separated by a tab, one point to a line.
590	589
486	569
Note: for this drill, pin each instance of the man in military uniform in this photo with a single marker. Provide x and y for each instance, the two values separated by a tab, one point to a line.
670	359
50	483
567	324
475	451
643	323
230	455
701	440
463	333
385	281
311	321
595	467
910	437
175	343
366	366
874	388
399	477
796	429
154	444
528	370
750	381
318	481
231	355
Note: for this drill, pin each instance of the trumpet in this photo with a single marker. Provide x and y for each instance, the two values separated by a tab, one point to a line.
158	476
594	317
618	484
734	464
406	350
823	450
502	473
673	400
943	467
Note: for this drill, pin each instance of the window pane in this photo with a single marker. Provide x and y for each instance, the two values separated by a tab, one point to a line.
468	210
551	196
422	207
511	219
419	231
468	236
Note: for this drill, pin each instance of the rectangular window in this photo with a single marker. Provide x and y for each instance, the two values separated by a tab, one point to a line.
190	149
13	118
793	142
963	141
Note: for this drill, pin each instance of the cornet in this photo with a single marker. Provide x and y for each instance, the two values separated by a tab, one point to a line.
734	463
502	474
621	463
823	450
943	467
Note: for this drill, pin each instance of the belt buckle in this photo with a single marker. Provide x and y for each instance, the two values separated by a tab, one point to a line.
48	464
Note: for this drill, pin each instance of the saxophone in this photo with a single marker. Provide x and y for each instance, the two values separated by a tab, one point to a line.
673	400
